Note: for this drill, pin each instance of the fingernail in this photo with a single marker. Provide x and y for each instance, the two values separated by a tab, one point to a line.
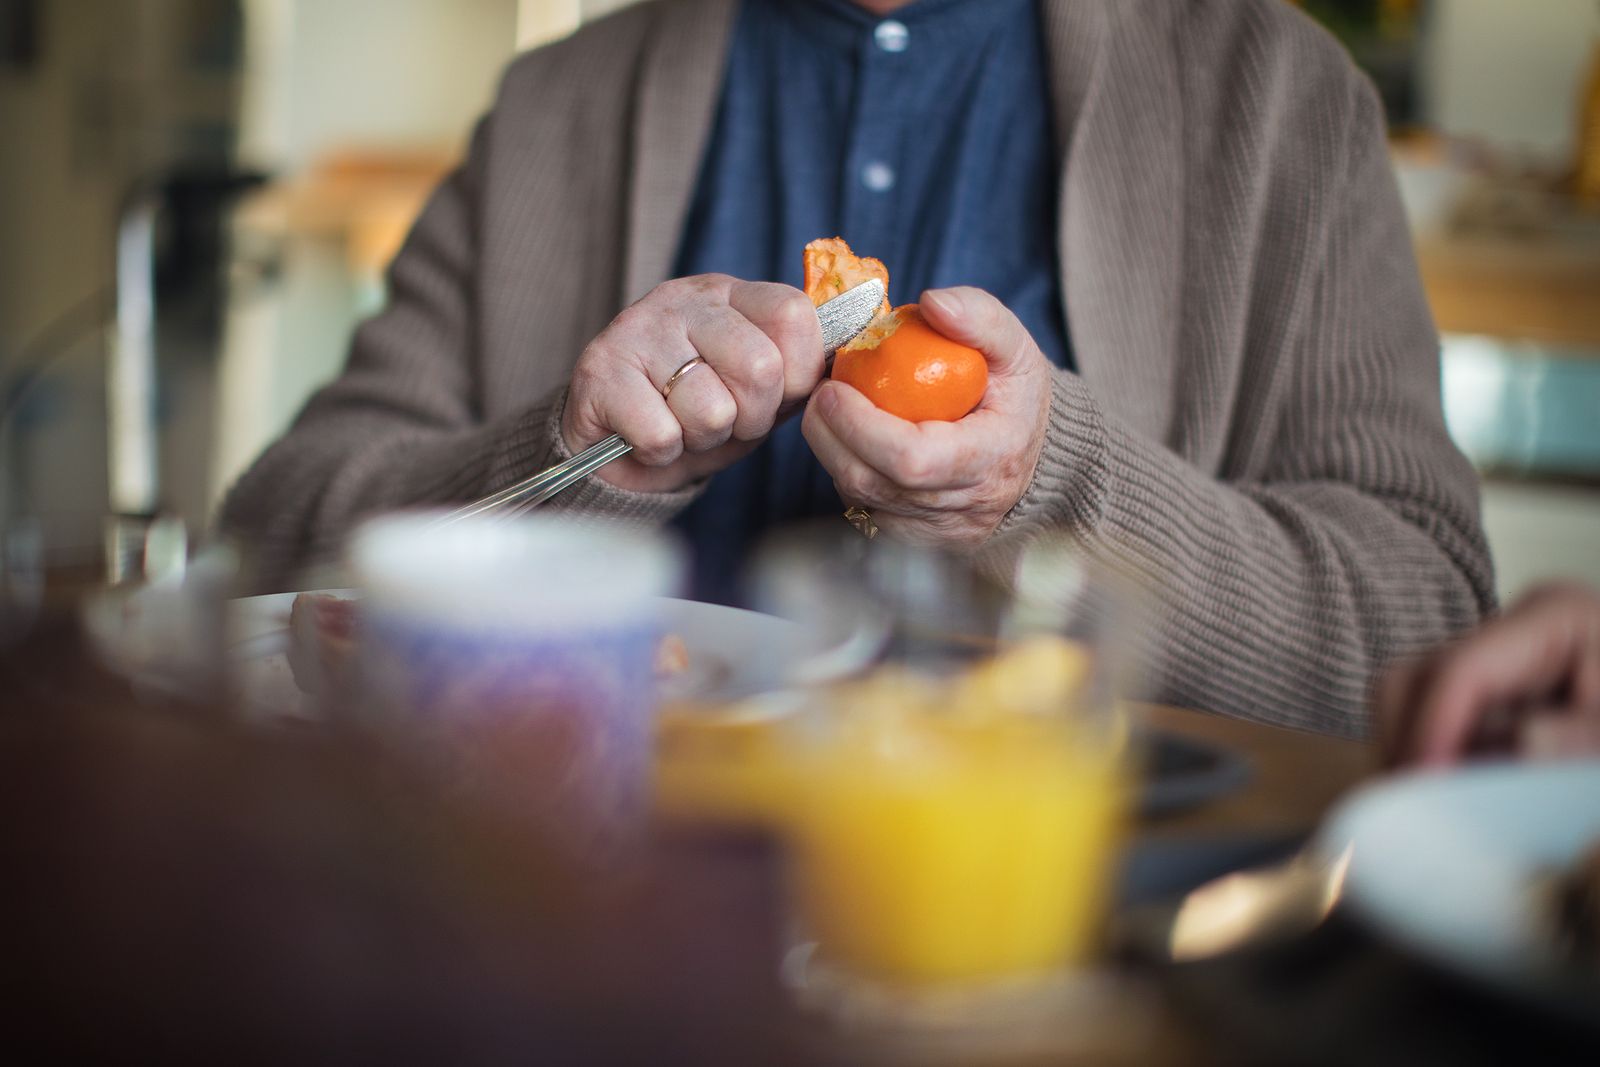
825	400
944	302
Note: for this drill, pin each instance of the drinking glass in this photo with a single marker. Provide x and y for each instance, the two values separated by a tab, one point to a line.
954	815
162	624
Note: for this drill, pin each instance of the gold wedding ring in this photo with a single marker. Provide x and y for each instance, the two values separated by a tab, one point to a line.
861	519
666	390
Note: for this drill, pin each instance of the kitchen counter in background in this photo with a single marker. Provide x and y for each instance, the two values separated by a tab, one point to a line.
1512	269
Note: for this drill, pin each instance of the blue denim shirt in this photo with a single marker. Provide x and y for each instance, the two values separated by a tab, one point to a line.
923	139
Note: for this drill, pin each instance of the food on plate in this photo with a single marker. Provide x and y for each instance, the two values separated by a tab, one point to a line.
672	657
1576	910
899	362
322	641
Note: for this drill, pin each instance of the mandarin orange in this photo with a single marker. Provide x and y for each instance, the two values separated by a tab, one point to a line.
909	369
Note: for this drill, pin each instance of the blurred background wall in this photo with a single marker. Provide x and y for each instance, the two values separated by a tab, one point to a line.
298	138
1507	71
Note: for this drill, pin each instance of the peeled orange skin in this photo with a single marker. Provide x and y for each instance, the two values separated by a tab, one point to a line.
831	270
909	369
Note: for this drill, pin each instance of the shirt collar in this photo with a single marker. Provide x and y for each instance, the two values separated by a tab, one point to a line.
846	25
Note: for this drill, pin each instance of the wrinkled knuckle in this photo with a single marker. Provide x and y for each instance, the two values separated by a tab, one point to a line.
666	294
853	484
705	438
709	285
765	367
681	293
721	414
660	438
752	428
630	322
911	468
587	376
794	314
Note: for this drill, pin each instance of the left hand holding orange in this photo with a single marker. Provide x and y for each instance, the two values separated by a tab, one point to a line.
941	482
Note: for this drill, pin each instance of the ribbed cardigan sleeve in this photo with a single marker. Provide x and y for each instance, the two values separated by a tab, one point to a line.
1280	596
401	426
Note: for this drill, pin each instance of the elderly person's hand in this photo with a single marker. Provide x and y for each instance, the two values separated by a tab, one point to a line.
1527	681
762	350
942	483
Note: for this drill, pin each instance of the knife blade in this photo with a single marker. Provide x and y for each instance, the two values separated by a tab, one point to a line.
848	314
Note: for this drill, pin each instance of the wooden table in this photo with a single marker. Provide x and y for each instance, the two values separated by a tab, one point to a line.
1296	776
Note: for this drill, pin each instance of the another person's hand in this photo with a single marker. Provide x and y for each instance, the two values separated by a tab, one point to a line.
1527	681
942	483
762	347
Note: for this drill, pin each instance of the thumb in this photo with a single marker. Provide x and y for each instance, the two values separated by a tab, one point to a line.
976	318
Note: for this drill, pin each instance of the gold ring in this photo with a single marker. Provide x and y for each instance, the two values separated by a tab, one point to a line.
861	519
666	390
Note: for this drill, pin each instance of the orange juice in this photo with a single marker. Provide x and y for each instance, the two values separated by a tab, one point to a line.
947	830
951	853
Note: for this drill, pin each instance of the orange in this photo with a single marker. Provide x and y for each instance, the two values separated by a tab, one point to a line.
909	369
901	363
832	269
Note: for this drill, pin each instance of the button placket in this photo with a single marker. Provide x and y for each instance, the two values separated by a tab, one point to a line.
877	176
872	164
892	36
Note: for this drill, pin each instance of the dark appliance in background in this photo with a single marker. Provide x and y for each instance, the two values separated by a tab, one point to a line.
171	254
1384	38
19	34
150	94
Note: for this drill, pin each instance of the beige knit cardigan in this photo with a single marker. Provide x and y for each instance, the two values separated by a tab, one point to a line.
1255	413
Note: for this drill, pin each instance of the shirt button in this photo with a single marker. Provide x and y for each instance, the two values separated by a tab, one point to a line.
892	35
878	176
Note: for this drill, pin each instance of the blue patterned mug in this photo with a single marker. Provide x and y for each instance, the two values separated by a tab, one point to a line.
517	655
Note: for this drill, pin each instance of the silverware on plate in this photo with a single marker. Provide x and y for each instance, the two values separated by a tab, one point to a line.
842	318
1245	909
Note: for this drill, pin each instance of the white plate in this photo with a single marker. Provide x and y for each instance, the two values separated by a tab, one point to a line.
733	653
1449	866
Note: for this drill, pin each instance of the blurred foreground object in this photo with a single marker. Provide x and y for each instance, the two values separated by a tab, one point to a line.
517	656
1528	682
957	829
182	890
956	815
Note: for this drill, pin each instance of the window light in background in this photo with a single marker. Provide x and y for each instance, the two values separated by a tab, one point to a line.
541	21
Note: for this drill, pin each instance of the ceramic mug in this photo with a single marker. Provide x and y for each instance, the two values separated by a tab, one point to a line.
517	655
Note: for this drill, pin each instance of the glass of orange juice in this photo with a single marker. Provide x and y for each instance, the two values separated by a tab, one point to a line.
955	815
